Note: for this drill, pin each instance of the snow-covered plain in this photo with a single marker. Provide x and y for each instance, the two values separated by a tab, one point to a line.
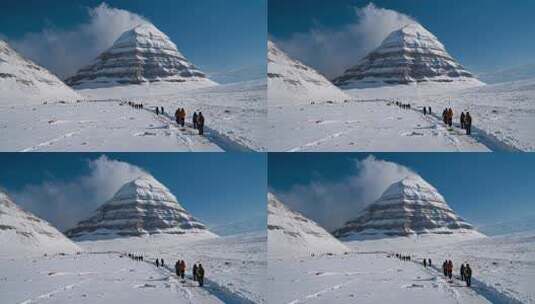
503	272
503	120
234	115
235	272
361	125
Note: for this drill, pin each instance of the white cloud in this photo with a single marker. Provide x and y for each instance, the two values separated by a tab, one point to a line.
64	51
331	204
333	51
64	203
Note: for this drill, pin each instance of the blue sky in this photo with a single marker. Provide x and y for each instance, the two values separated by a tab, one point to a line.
215	35
485	188
216	188
483	35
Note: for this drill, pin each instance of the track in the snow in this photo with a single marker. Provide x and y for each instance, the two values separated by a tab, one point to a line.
490	293
221	292
221	140
489	140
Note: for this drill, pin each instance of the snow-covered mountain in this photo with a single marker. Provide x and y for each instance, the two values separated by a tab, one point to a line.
290	81
290	234
139	208
141	55
22	233
408	207
21	80
408	55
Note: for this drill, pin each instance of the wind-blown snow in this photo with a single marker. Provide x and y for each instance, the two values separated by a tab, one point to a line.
24	234
290	234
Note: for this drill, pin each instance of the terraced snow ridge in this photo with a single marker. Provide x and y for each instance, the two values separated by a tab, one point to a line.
139	56
24	234
22	80
408	55
408	207
290	234
141	207
290	81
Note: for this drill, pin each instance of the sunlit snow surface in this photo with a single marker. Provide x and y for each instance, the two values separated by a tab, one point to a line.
503	272
503	115
234	117
235	273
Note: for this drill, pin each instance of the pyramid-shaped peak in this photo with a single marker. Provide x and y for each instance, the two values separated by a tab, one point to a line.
141	55
410	206
409	55
141	207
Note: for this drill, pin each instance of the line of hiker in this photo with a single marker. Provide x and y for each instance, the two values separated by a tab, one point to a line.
465	271
466	122
136	257
159	263
427	110
159	110
135	105
403	105
197	271
197	120
403	257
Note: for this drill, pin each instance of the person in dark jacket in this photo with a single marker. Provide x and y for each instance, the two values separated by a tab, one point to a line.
194	272
177	268
157	263
200	123
462	272
429	262
462	120
468	123
468	275
195	120
200	275
157	111
182	268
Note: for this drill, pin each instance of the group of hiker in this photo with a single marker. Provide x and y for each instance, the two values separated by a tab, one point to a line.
197	120
403	257
136	257
427	110
135	105
159	110
159	262
427	262
466	274
466	122
403	105
465	271
447	116
197	271
180	116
